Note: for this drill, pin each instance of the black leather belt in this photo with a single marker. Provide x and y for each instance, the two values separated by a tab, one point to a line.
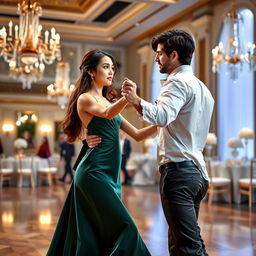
176	165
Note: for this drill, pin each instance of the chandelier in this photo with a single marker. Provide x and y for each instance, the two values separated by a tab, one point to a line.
61	89
25	51
27	74
233	52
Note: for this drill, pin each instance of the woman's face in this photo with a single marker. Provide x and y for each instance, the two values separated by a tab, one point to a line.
104	73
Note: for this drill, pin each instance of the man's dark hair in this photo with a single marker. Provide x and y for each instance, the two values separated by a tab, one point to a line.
177	40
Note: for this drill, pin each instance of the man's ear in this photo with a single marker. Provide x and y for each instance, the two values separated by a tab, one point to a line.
174	55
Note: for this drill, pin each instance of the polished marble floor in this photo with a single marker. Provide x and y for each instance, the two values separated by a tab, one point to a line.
29	216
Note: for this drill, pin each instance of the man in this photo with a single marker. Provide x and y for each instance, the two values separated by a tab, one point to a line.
126	151
67	151
182	113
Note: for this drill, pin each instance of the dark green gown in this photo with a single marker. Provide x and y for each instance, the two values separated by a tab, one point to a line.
94	221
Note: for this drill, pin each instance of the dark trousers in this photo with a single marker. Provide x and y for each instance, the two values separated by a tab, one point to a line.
182	187
68	169
127	178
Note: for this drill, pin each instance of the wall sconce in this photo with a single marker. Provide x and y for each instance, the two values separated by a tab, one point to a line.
45	128
7	128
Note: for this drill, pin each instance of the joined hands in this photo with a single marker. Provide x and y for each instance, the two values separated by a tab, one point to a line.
128	90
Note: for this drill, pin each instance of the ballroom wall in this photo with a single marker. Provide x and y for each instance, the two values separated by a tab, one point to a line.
205	24
137	63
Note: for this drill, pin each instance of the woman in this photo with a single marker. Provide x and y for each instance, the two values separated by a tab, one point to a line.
44	150
94	221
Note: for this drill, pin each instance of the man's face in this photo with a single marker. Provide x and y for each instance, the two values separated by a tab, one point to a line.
164	61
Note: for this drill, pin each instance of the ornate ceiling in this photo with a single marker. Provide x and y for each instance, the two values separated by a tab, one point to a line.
100	20
97	21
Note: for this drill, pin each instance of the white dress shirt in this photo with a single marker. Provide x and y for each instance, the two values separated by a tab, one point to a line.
183	114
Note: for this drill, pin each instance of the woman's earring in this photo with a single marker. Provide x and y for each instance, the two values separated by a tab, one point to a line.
92	77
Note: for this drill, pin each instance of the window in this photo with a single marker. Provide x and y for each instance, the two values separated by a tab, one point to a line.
235	100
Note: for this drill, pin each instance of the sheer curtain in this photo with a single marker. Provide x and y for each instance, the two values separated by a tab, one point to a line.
235	100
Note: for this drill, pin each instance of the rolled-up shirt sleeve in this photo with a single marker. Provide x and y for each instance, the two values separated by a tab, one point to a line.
171	99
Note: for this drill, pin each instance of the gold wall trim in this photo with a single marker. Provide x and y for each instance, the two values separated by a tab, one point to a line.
23	101
85	36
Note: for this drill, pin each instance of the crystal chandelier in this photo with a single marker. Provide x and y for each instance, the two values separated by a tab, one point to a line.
27	74
61	89
25	51
233	51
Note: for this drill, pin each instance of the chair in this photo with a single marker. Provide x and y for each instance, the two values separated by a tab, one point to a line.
25	168
49	173
217	185
6	174
247	185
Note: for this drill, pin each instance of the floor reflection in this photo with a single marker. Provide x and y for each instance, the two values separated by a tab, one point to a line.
29	217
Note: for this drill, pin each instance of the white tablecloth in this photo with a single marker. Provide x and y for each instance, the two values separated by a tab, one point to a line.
12	162
145	167
234	172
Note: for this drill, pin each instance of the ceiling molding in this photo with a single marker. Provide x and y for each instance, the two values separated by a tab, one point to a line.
76	18
140	22
98	8
174	19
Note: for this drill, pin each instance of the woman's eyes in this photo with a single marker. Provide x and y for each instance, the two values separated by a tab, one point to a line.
107	67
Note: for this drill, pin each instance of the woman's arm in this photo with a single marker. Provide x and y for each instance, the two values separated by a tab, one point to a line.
87	104
138	134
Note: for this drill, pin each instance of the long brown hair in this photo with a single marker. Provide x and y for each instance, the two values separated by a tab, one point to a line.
72	125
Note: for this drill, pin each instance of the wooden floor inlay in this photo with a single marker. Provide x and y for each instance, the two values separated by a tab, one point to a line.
29	216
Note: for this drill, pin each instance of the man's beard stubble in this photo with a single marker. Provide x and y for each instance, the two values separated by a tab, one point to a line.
163	68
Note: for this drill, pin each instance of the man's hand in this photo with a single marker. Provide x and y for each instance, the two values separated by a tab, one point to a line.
93	140
129	91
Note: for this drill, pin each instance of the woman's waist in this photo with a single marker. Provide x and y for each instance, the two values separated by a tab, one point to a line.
108	166
108	145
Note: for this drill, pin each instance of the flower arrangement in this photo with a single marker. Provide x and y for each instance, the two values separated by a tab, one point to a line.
211	139
235	143
246	133
20	143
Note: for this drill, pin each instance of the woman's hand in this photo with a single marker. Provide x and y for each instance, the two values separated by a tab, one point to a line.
93	140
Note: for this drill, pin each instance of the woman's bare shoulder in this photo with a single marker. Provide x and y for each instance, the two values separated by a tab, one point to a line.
85	97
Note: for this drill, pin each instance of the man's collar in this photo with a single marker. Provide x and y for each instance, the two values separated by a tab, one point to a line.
182	68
